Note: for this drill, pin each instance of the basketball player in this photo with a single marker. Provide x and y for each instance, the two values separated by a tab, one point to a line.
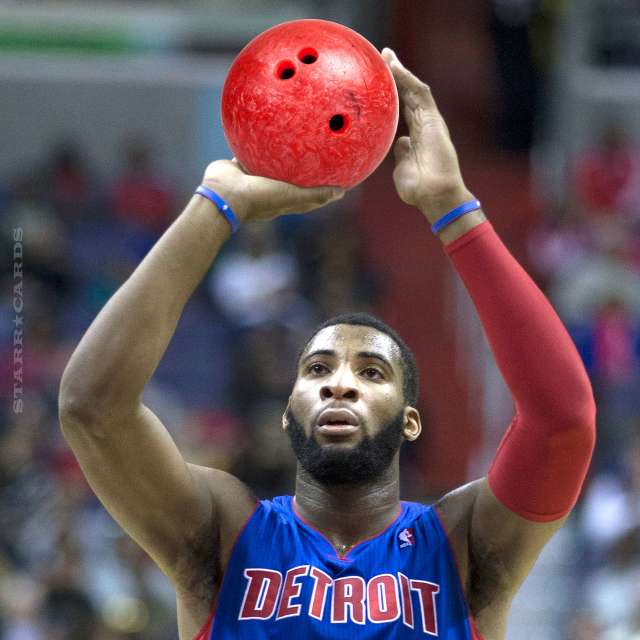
344	557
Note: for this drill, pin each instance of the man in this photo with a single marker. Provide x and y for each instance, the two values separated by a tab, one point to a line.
344	557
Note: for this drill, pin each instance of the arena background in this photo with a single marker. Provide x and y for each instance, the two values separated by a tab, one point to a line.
109	112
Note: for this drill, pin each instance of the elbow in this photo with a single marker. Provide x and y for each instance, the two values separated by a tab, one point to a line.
569	409
573	402
584	406
589	423
82	411
74	411
81	420
578	419
76	406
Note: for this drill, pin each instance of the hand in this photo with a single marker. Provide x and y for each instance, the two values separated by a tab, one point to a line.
257	198
427	174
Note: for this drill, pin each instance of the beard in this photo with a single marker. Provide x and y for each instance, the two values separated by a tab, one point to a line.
357	465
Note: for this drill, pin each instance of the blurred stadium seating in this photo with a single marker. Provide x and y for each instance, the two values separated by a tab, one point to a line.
109	114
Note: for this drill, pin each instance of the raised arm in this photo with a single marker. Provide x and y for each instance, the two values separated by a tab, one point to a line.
500	523
127	455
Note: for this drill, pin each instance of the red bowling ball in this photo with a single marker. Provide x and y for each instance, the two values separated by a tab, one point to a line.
310	102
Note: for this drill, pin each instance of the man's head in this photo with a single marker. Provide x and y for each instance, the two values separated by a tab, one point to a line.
353	401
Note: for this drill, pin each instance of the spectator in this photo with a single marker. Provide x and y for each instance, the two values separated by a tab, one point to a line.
608	270
258	282
72	190
559	244
605	175
140	197
611	508
583	627
20	602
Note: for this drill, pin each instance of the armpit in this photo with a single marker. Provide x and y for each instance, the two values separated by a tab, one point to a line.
489	581
200	573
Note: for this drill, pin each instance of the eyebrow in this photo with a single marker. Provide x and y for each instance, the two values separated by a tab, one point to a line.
361	354
319	352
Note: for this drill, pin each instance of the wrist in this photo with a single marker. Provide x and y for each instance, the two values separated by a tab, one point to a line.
434	208
232	195
461	226
437	209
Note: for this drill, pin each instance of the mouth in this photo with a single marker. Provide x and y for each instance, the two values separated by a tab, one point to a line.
340	422
337	429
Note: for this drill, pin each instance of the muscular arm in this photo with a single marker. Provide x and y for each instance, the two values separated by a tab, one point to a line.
498	525
127	455
542	461
536	476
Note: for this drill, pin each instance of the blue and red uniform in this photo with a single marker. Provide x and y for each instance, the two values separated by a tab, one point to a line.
285	579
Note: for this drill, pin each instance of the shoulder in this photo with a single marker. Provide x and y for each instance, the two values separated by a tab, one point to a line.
456	507
450	512
232	500
235	505
432	525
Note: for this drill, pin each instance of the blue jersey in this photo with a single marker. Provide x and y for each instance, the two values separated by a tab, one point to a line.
286	580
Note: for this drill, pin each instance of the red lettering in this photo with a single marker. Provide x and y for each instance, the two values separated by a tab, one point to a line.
319	595
407	604
427	592
382	598
291	590
261	594
348	592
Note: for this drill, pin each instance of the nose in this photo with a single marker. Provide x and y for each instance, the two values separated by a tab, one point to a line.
340	386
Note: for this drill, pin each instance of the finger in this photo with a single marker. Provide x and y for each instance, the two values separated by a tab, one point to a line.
402	148
289	198
412	90
238	164
302	199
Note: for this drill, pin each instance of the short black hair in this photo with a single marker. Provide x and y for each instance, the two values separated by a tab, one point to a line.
409	367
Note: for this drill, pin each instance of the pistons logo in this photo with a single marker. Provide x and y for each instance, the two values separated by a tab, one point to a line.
405	538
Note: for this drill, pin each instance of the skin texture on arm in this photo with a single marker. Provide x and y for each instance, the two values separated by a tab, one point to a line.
129	458
494	547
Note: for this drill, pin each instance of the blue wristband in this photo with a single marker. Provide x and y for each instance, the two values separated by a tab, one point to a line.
458	212
223	207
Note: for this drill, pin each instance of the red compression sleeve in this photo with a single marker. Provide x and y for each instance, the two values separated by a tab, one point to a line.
542	460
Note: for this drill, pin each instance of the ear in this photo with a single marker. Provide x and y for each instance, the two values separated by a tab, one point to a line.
285	420
412	424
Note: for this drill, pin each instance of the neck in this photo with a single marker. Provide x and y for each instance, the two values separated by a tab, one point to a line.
347	514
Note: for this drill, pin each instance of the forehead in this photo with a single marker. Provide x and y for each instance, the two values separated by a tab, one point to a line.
348	339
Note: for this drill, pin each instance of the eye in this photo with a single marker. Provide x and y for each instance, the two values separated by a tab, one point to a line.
317	368
372	373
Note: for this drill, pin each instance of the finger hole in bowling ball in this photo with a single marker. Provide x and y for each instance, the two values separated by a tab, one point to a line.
338	123
286	70
308	55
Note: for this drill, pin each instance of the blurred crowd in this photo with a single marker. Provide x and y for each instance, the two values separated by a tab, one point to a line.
587	254
67	572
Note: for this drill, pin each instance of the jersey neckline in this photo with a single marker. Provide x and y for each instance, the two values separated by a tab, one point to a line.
317	532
